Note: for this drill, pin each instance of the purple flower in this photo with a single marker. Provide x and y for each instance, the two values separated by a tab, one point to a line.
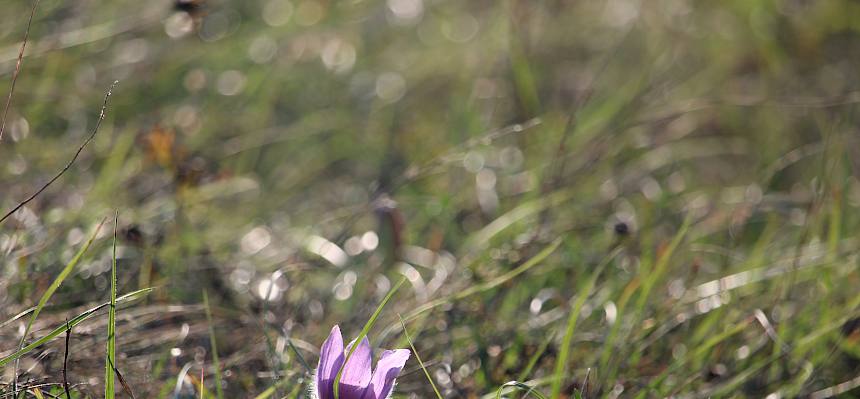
357	380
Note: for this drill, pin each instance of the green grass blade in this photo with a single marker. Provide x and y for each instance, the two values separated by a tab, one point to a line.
72	323
110	359
218	390
18	316
493	283
417	357
59	280
527	371
661	266
364	331
299	356
56	284
564	352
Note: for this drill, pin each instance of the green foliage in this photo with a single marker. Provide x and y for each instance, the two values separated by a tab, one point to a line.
71	324
610	198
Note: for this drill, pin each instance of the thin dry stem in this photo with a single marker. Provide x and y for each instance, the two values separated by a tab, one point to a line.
17	69
72	161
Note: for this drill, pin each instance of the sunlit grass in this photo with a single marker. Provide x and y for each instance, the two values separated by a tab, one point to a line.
600	199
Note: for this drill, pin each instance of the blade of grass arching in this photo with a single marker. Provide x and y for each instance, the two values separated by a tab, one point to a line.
18	316
530	390
475	289
71	323
532	385
59	280
217	364
55	285
110	359
417	357
564	352
363	333
480	239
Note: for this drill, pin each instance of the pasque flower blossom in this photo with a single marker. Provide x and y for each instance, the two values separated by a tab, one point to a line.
358	381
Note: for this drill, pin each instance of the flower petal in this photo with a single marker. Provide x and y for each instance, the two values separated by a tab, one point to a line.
387	370
331	358
356	372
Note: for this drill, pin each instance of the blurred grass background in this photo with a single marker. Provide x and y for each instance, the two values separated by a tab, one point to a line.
296	158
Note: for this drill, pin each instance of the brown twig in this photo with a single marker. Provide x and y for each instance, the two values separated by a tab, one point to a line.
66	361
72	161
17	69
125	387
